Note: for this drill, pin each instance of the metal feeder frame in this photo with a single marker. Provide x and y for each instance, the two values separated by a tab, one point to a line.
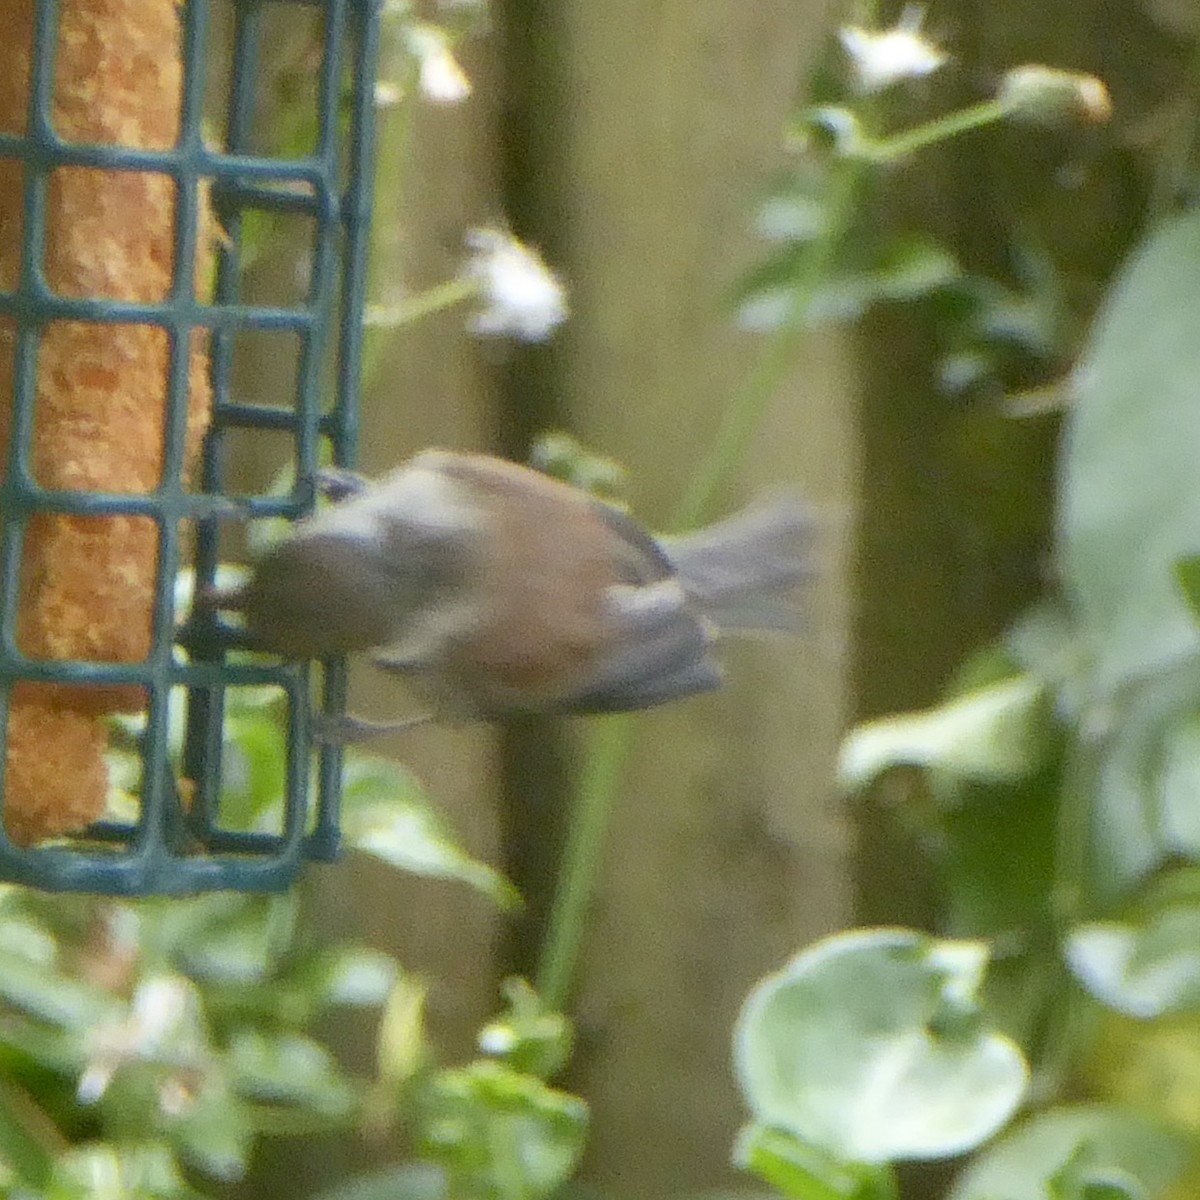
172	847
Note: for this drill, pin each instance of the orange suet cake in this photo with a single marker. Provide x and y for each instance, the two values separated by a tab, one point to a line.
87	583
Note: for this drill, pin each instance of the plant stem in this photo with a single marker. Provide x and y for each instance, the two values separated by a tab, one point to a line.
434	299
743	417
738	425
612	739
383	320
597	789
904	145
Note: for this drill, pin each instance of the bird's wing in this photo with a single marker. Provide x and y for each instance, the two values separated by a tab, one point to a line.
639	557
660	652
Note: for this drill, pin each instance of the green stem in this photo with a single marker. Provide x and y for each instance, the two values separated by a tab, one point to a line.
739	423
744	415
423	304
601	774
597	790
903	145
383	320
393	140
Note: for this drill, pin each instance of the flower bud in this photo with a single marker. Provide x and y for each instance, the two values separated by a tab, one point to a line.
1048	95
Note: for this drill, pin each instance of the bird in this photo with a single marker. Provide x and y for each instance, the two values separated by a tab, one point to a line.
497	590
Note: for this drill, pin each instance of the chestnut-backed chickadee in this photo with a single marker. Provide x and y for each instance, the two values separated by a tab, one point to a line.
497	590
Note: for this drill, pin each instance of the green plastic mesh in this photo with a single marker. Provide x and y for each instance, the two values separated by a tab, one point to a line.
176	842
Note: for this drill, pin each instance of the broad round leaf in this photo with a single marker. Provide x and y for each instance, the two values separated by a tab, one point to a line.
993	734
1130	506
1136	764
870	1045
1145	969
1110	1142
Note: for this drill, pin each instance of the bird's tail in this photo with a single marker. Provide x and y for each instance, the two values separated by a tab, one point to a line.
744	572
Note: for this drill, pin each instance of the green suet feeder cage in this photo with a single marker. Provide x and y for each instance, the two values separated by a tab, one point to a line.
127	216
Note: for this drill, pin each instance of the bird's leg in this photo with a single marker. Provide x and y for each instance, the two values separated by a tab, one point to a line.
337	484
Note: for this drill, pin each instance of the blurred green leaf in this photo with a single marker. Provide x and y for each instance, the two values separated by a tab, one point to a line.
29	1140
996	849
994	734
98	1171
289	1068
238	941
1187	575
796	208
410	1181
906	268
49	995
1136	763
803	1171
215	1133
357	975
1145	969
1129	506
1121	1144
1080	1179
387	815
401	1048
870	1045
1111	1189
564	457
254	767
498	1132
528	1037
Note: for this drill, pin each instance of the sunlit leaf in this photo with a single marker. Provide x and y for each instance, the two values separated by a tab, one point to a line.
490	1123
870	1046
1130	508
387	815
800	1170
412	1181
96	1170
1119	1148
359	975
254	766
1144	969
401	1048
994	734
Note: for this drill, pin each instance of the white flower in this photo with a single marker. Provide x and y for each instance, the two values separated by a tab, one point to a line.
158	1008
882	57
441	79
522	298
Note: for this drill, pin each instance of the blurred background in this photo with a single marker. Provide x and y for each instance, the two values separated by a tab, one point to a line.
855	251
635	146
632	147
